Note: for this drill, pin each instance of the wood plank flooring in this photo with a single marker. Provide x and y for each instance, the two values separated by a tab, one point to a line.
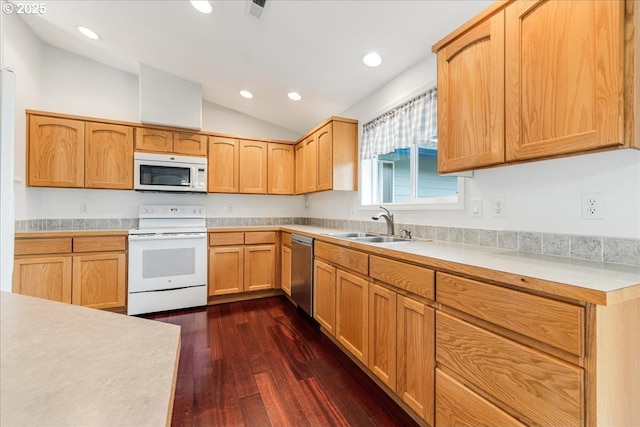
263	363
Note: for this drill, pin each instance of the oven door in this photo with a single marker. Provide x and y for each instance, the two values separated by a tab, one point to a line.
160	262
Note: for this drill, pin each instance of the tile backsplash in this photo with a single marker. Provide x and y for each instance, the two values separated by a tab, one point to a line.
608	249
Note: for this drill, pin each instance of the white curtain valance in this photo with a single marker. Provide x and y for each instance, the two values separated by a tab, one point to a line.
415	121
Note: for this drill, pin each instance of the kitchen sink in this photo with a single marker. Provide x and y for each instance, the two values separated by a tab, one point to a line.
352	235
379	239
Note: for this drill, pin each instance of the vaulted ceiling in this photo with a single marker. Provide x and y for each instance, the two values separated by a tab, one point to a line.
312	47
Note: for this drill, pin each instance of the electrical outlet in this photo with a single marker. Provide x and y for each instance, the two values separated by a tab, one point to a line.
593	206
229	208
83	208
499	207
476	208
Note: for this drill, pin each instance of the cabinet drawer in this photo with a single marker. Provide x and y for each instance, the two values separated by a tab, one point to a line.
56	245
417	280
225	239
456	405
552	322
544	389
259	237
286	239
99	244
348	258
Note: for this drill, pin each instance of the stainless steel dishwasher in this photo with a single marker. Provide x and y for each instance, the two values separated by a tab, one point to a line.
302	272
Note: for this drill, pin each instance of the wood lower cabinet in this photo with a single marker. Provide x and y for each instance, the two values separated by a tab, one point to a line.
47	277
55	152
259	267
241	262
285	282
108	156
456	405
87	271
324	296
382	334
352	317
99	280
415	355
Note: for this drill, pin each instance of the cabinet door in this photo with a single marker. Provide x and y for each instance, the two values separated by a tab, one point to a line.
223	165
456	405
286	270
564	76
471	98
324	295
190	143
352	294
310	164
226	270
253	167
108	156
299	184
324	146
99	280
382	334
43	277
259	267
55	152
415	355
280	163
154	140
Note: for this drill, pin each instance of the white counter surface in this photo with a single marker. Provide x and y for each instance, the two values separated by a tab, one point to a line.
590	281
64	365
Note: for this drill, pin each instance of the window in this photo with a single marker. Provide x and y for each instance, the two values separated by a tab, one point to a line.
398	157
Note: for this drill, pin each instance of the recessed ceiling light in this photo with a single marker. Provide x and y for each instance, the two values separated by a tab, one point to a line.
88	32
372	59
202	6
246	94
294	95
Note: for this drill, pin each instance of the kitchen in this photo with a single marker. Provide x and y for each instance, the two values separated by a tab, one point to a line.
541	197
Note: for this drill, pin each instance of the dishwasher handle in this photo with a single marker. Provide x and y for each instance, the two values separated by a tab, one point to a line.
303	240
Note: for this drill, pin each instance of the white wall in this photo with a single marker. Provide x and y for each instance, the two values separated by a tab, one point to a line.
543	196
52	79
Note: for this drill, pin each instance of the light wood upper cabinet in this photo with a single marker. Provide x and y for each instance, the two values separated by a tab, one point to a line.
310	164
528	80
108	156
190	143
253	167
55	152
324	147
172	142
280	168
154	140
223	164
471	98
564	77
300	162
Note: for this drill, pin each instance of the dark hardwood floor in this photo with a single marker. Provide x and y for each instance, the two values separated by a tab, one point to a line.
263	363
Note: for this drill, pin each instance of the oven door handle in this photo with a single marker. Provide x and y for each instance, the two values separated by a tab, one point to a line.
148	237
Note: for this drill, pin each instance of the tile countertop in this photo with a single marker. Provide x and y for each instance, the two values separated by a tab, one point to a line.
590	281
66	365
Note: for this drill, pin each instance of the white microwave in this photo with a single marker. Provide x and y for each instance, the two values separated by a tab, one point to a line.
166	172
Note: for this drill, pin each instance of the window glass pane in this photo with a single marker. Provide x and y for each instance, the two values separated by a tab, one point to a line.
401	161
429	184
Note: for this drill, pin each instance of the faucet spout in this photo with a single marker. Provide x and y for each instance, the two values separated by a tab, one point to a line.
388	217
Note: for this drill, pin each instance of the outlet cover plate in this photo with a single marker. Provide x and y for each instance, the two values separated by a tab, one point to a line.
592	206
499	207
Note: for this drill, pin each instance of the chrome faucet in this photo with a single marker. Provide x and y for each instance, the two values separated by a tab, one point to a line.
388	216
